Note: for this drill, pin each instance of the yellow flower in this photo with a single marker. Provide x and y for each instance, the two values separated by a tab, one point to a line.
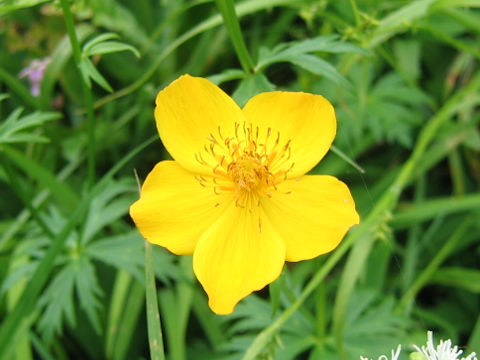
236	196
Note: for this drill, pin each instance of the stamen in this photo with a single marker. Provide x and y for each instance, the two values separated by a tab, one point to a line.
244	165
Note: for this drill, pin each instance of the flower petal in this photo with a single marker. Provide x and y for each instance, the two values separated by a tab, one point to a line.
174	209
236	256
187	112
311	214
307	120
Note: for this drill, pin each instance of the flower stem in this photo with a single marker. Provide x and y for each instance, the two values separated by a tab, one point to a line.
88	98
227	9
155	338
355	12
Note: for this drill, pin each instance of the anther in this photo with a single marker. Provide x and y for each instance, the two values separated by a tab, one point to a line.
212	139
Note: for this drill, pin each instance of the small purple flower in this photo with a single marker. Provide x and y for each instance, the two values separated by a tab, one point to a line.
34	72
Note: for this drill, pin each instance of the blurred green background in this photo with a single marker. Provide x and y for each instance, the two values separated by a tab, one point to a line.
405	82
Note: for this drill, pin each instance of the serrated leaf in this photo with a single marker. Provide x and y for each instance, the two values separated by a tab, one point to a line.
11	119
285	51
13	276
107	207
58	302
327	43
88	290
165	265
121	251
97	220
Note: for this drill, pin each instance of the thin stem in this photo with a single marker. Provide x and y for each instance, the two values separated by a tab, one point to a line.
155	338
355	12
77	55
345	157
154	328
227	9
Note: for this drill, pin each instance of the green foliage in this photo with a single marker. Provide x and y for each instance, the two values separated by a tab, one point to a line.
13	128
404	79
97	46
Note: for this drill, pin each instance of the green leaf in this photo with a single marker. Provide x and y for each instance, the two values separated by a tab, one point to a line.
111	47
408	55
11	130
318	66
292	50
58	59
230	19
430	209
18	87
26	304
226	75
7	6
88	290
58	302
400	19
58	298
25	270
97	40
251	86
90	72
121	251
440	4
132	314
468	279
111	204
116	308
175	303
62	192
328	43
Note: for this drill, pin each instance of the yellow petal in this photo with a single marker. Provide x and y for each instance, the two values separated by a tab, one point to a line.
187	112
235	257
311	214
174	209
307	120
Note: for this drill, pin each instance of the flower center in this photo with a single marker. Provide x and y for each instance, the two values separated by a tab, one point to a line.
249	164
249	173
